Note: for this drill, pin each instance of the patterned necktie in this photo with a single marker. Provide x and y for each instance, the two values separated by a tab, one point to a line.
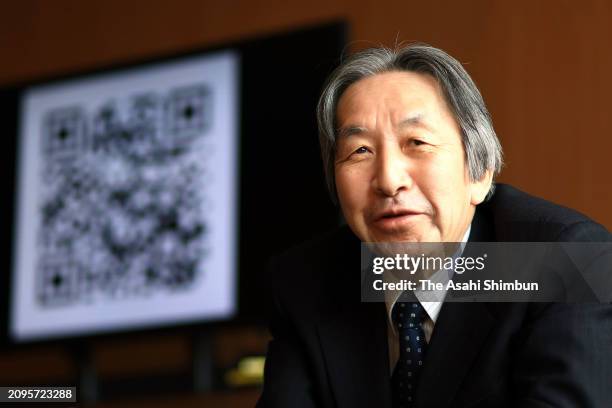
407	317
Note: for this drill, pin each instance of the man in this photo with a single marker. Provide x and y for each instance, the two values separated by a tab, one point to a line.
411	155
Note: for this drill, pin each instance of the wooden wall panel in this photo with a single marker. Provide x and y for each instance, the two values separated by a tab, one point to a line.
543	66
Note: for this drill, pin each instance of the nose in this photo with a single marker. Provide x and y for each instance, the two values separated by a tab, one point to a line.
392	174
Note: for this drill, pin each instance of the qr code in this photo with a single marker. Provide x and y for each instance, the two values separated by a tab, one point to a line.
122	202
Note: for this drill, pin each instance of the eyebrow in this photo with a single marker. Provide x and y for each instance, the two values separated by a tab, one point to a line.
415	120
346	131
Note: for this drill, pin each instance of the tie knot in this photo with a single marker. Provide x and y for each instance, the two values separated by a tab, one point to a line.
408	314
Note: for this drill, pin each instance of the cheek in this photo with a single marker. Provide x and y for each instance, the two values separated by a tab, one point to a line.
444	183
448	166
352	187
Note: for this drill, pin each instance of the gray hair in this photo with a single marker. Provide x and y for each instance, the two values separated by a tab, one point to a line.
483	151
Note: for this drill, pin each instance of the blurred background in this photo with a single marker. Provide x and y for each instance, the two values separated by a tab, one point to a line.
542	66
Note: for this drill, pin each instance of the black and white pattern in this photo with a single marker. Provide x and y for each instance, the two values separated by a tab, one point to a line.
64	134
127	199
121	208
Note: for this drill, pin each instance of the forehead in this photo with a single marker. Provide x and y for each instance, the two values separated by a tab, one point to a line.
393	95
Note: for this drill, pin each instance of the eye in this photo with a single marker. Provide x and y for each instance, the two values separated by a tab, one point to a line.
417	142
361	150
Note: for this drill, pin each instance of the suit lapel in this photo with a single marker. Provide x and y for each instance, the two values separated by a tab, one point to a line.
458	337
354	343
459	334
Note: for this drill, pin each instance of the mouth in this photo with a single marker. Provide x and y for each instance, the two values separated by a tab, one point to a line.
396	219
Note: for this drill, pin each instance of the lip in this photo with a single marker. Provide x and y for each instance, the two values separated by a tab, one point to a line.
394	219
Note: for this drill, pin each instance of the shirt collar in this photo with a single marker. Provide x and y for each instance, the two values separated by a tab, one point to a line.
430	300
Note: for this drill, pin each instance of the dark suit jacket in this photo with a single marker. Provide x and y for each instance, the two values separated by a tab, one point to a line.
330	350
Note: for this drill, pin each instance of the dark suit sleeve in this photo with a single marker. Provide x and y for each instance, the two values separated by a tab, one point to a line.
566	356
287	382
585	231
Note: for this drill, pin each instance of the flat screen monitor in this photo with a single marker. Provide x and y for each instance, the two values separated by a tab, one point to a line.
152	194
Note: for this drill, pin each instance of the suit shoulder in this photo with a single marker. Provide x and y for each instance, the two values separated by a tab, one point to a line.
519	216
318	259
317	250
312	274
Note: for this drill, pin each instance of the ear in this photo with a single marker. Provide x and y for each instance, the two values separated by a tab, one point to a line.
480	188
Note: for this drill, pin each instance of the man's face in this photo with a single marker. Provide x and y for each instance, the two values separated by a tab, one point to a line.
400	168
